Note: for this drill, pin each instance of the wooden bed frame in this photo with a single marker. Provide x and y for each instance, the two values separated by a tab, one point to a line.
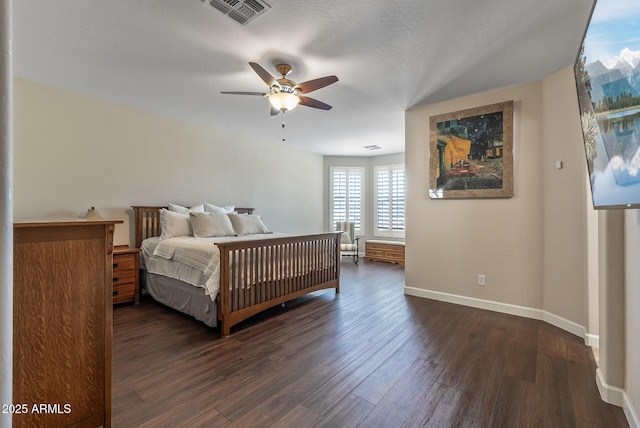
257	275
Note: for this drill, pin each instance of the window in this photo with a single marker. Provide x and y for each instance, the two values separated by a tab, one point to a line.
347	190
389	202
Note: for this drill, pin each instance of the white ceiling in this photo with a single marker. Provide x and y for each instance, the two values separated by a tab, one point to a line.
175	57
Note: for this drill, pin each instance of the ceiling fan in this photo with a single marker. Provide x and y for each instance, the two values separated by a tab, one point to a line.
285	94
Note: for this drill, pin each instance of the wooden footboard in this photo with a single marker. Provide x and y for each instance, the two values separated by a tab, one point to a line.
258	274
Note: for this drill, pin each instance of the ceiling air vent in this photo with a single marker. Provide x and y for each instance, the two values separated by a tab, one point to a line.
241	11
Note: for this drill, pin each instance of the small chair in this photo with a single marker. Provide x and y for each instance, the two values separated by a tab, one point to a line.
348	240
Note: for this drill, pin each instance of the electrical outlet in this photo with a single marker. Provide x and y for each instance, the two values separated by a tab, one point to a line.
481	280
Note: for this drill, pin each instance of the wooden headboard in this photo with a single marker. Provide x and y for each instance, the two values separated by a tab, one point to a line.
147	221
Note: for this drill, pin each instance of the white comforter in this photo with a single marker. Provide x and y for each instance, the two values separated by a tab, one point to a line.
200	254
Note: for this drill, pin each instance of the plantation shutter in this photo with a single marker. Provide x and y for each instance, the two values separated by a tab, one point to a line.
390	200
347	196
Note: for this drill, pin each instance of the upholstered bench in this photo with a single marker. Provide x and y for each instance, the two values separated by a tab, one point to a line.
384	251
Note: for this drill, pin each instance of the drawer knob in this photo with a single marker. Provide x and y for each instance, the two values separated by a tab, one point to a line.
115	293
115	279
115	265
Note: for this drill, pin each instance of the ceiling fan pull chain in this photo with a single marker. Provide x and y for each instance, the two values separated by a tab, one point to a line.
283	139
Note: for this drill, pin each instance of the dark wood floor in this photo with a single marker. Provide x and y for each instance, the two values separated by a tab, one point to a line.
368	357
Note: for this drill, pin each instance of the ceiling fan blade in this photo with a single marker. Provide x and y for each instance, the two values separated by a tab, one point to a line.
245	93
310	102
264	74
312	85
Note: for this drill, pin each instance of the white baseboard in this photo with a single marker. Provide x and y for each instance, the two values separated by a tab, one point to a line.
608	393
592	340
630	413
565	324
617	397
506	308
473	302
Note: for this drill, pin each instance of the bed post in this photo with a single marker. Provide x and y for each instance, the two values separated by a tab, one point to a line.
137	226
223	296
147	222
337	259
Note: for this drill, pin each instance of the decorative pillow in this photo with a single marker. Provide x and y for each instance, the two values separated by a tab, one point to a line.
210	225
173	224
210	208
184	210
247	224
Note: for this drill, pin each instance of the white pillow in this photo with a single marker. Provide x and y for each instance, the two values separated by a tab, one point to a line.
210	225
173	224
247	224
210	208
184	210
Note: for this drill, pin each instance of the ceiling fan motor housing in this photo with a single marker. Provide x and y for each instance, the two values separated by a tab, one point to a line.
286	85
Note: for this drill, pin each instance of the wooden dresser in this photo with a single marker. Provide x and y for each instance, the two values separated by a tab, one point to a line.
126	264
62	328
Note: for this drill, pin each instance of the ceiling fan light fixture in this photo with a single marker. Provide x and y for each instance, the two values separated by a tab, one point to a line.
283	100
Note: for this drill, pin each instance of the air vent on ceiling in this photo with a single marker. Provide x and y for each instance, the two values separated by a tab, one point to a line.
241	11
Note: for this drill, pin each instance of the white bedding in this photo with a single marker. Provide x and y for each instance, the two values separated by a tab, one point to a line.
192	260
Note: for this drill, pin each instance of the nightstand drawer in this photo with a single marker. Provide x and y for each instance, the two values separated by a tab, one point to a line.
124	292
126	286
124	277
123	263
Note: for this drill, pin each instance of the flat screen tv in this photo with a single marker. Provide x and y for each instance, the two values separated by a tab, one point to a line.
607	72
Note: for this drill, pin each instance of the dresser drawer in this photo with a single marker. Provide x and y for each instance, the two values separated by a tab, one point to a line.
124	292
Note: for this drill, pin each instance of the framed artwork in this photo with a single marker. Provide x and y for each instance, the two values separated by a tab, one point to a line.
471	153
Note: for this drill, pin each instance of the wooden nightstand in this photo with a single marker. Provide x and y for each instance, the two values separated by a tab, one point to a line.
126	284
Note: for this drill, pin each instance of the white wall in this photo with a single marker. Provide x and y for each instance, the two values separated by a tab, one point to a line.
6	225
73	152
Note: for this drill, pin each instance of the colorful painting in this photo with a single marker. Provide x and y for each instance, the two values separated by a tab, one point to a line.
607	73
471	153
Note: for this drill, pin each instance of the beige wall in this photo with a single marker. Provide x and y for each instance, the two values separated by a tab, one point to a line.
565	273
72	152
532	248
632	322
450	242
